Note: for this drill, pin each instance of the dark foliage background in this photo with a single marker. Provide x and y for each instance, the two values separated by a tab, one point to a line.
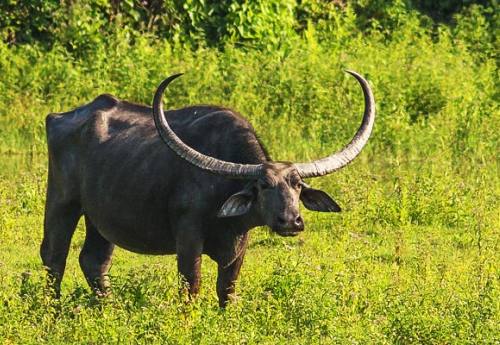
81	24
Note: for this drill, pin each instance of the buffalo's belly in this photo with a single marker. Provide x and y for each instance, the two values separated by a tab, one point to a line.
127	205
133	231
152	246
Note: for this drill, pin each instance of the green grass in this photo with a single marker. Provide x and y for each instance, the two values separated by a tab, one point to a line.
367	275
413	258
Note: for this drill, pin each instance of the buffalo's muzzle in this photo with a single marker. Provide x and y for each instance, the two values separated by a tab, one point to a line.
289	227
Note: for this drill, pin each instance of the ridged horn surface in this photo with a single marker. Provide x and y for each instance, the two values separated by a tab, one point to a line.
194	157
343	157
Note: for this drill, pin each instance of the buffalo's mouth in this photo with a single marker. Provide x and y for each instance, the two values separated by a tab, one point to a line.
288	233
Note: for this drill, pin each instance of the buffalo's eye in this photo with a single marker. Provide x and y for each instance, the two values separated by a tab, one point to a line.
295	182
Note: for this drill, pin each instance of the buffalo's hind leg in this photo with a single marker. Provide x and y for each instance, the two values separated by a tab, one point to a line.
95	259
60	222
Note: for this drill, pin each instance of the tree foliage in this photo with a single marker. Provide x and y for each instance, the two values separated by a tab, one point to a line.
269	24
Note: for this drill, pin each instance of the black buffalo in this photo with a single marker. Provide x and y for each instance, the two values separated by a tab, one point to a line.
195	185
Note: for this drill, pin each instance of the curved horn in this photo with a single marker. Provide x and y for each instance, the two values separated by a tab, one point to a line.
350	151
194	157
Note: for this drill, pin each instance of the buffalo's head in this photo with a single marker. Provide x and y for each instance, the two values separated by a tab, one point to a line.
275	196
274	188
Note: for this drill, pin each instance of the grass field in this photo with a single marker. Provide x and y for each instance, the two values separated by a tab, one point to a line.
352	278
413	257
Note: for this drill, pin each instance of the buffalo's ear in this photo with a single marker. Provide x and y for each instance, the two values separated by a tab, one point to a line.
237	204
317	200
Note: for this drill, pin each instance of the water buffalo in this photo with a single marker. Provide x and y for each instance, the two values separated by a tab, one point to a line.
193	185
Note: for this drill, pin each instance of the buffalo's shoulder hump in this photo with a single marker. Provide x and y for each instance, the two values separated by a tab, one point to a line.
61	126
105	101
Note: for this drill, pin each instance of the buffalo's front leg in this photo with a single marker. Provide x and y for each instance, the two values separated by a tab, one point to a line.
95	259
227	276
189	250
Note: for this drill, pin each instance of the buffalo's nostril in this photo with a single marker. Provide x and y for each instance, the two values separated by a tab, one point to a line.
298	220
299	223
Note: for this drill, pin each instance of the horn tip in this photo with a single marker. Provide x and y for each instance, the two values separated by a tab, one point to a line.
350	71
